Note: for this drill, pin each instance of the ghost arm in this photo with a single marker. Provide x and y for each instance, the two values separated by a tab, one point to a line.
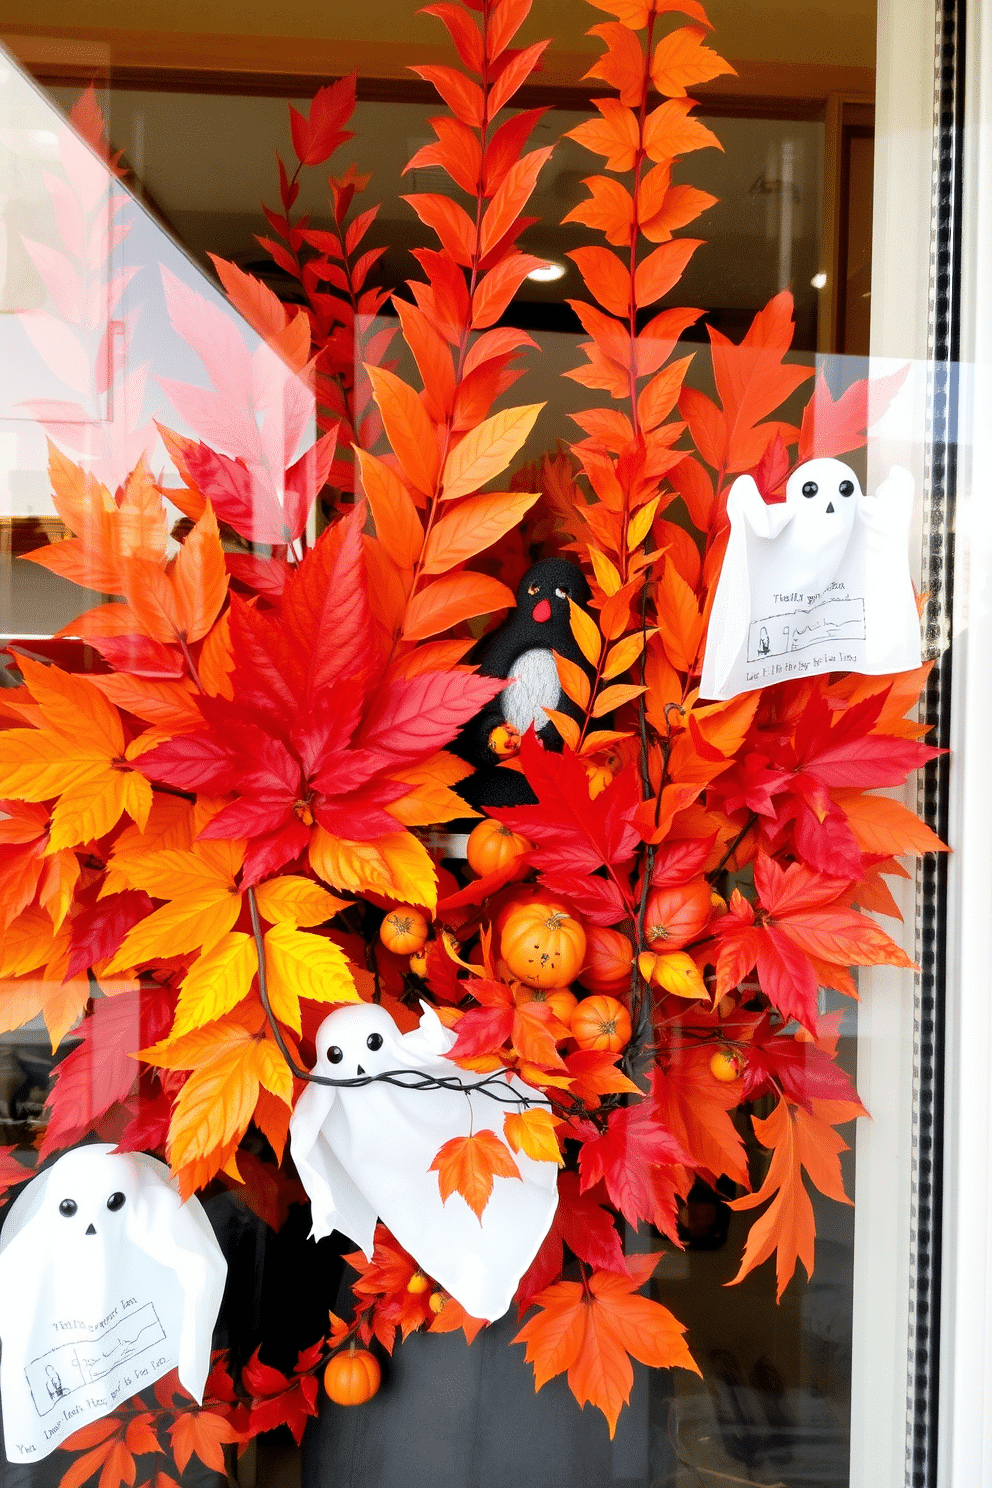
336	1202
887	515
746	504
730	616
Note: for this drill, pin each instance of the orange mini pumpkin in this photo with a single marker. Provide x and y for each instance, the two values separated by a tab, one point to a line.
492	846
561	1000
677	915
601	1023
609	959
543	944
404	930
352	1377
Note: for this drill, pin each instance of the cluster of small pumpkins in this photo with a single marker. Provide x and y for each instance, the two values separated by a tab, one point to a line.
545	947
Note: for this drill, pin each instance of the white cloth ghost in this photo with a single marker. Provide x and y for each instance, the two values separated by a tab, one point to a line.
365	1152
107	1281
817	583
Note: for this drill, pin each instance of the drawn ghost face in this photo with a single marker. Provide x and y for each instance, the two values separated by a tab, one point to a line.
823	498
358	1041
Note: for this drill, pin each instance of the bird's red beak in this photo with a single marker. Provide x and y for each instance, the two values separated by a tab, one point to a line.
542	610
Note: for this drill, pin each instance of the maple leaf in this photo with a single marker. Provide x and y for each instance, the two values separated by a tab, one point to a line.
78	754
576	836
802	1069
800	1140
801	922
203	1433
383	1282
638	1161
533	1132
312	737
278	1400
469	1166
592	1328
530	1026
589	1231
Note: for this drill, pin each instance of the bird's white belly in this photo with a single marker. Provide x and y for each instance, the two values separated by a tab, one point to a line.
533	687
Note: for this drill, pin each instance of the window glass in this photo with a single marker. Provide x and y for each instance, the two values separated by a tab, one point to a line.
161	343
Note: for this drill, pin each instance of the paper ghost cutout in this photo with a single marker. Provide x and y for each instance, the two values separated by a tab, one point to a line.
365	1152
107	1281
818	583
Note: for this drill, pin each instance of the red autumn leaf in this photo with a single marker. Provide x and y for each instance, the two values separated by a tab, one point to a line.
97	932
101	1070
835	427
589	1231
317	137
573	835
636	1158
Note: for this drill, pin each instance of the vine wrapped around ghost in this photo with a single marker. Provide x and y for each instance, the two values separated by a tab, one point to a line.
374	1153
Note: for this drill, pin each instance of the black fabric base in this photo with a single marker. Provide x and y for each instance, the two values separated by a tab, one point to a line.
450	1415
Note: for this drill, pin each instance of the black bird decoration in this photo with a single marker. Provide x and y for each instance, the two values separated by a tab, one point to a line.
522	651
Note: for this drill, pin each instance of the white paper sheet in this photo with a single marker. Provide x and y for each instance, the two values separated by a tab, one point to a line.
819	583
365	1152
99	1300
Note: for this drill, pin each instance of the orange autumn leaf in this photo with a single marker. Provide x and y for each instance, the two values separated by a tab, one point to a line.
592	1328
451	599
472	526
408	428
232	1061
78	755
680	61
468	1165
204	1433
799	1141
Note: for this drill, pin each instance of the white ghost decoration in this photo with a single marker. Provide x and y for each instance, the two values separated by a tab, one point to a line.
364	1153
107	1281
817	583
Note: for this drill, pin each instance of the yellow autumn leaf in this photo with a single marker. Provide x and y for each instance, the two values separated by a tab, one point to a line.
206	907
622	656
607	574
586	633
675	972
533	1133
218	1100
574	682
77	754
28	943
217	983
297	900
615	697
300	965
396	865
640	524
487	450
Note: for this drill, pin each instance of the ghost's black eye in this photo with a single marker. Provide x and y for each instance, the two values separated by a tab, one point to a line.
810	489
374	1041
67	1208
533	588
334	1054
846	488
116	1201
